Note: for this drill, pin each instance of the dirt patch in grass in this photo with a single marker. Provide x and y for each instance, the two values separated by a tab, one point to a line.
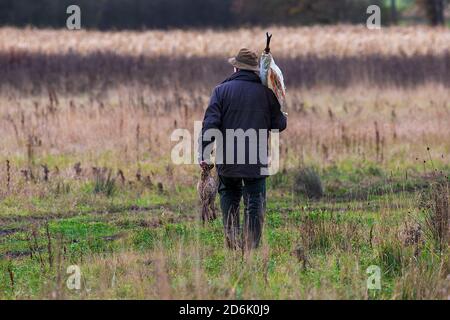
114	237
7	232
18	254
70	214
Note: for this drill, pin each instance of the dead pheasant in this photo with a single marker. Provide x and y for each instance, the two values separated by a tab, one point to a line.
207	190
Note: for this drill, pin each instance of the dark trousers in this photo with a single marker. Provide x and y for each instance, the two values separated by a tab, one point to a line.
253	190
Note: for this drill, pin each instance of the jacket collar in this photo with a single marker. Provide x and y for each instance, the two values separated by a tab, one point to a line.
244	75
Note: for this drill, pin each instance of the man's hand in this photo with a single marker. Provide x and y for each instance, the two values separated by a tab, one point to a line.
203	165
206	166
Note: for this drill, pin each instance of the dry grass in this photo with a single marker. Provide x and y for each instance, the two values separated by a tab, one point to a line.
339	41
325	126
31	60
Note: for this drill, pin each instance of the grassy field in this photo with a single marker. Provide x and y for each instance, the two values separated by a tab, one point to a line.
86	177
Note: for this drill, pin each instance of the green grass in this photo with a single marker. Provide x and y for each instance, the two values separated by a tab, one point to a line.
147	239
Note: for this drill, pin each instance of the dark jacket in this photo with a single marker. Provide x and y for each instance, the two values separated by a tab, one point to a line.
242	102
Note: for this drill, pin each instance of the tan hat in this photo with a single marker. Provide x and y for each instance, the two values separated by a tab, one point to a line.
245	60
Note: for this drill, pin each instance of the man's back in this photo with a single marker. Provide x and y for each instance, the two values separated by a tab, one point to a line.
242	102
246	103
240	115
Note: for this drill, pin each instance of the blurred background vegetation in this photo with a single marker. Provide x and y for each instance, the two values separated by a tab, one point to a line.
163	14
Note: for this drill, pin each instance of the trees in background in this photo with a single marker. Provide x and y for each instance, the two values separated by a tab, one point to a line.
119	14
394	13
302	11
434	10
137	14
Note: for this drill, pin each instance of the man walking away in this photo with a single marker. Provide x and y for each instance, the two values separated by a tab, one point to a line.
242	103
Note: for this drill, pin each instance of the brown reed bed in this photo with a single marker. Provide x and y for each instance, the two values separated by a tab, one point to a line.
322	41
31	73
